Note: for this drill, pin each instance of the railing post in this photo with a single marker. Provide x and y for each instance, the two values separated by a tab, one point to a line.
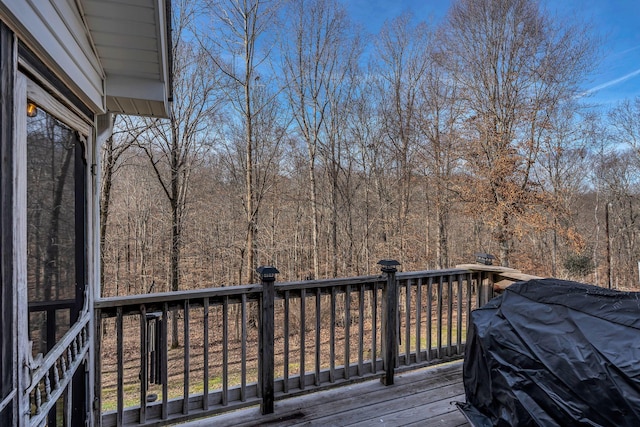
97	382
389	320
485	287
485	290
266	348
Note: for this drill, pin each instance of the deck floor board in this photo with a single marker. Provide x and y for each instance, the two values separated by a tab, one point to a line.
423	397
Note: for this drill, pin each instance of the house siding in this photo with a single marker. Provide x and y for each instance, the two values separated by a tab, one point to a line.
58	35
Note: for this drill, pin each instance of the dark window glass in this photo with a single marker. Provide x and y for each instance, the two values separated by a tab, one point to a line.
52	215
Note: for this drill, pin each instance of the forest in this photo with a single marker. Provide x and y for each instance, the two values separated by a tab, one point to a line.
300	141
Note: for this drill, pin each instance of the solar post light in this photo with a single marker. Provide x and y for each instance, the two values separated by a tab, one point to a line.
267	273
485	259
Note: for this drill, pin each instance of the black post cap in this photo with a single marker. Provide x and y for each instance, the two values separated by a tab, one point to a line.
388	265
267	272
486	259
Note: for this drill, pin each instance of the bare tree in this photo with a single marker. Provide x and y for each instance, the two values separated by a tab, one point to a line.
334	151
364	136
625	119
401	66
114	148
440	120
172	146
559	170
515	65
618	180
269	128
623	185
452	141
318	52
236	28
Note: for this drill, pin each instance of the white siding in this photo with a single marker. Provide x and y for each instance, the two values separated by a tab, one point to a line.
54	30
112	54
130	38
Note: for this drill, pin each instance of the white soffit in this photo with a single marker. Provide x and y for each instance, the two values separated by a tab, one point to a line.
131	41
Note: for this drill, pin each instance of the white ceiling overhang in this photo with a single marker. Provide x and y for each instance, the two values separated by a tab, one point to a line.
131	39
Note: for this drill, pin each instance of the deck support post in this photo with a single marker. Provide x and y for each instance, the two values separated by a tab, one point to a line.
389	320
485	287
266	346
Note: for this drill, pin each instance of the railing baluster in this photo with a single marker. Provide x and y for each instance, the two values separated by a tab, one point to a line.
491	282
225	350
361	330
38	400
374	332
186	355
482	288
439	318
459	321
332	337
303	337
56	376
407	323
69	362
144	360
286	342
47	387
97	402
205	354
469	292
429	317
120	357
318	326
74	350
449	314
418	319
63	365
83	336
243	350
164	359
347	331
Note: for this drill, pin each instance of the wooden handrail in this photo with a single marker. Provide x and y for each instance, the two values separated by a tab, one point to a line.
56	369
503	276
106	304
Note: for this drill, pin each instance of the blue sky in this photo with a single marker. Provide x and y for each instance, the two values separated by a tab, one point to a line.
616	21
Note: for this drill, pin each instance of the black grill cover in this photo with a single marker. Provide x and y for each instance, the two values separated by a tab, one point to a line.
554	353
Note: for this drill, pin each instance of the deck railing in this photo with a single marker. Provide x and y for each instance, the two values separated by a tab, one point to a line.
253	344
53	374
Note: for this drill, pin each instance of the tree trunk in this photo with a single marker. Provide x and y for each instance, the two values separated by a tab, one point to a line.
442	250
334	223
175	229
314	215
105	198
504	240
251	215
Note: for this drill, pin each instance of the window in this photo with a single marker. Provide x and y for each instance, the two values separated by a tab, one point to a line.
56	253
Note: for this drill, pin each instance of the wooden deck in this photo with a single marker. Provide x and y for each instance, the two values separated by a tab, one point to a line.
423	397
